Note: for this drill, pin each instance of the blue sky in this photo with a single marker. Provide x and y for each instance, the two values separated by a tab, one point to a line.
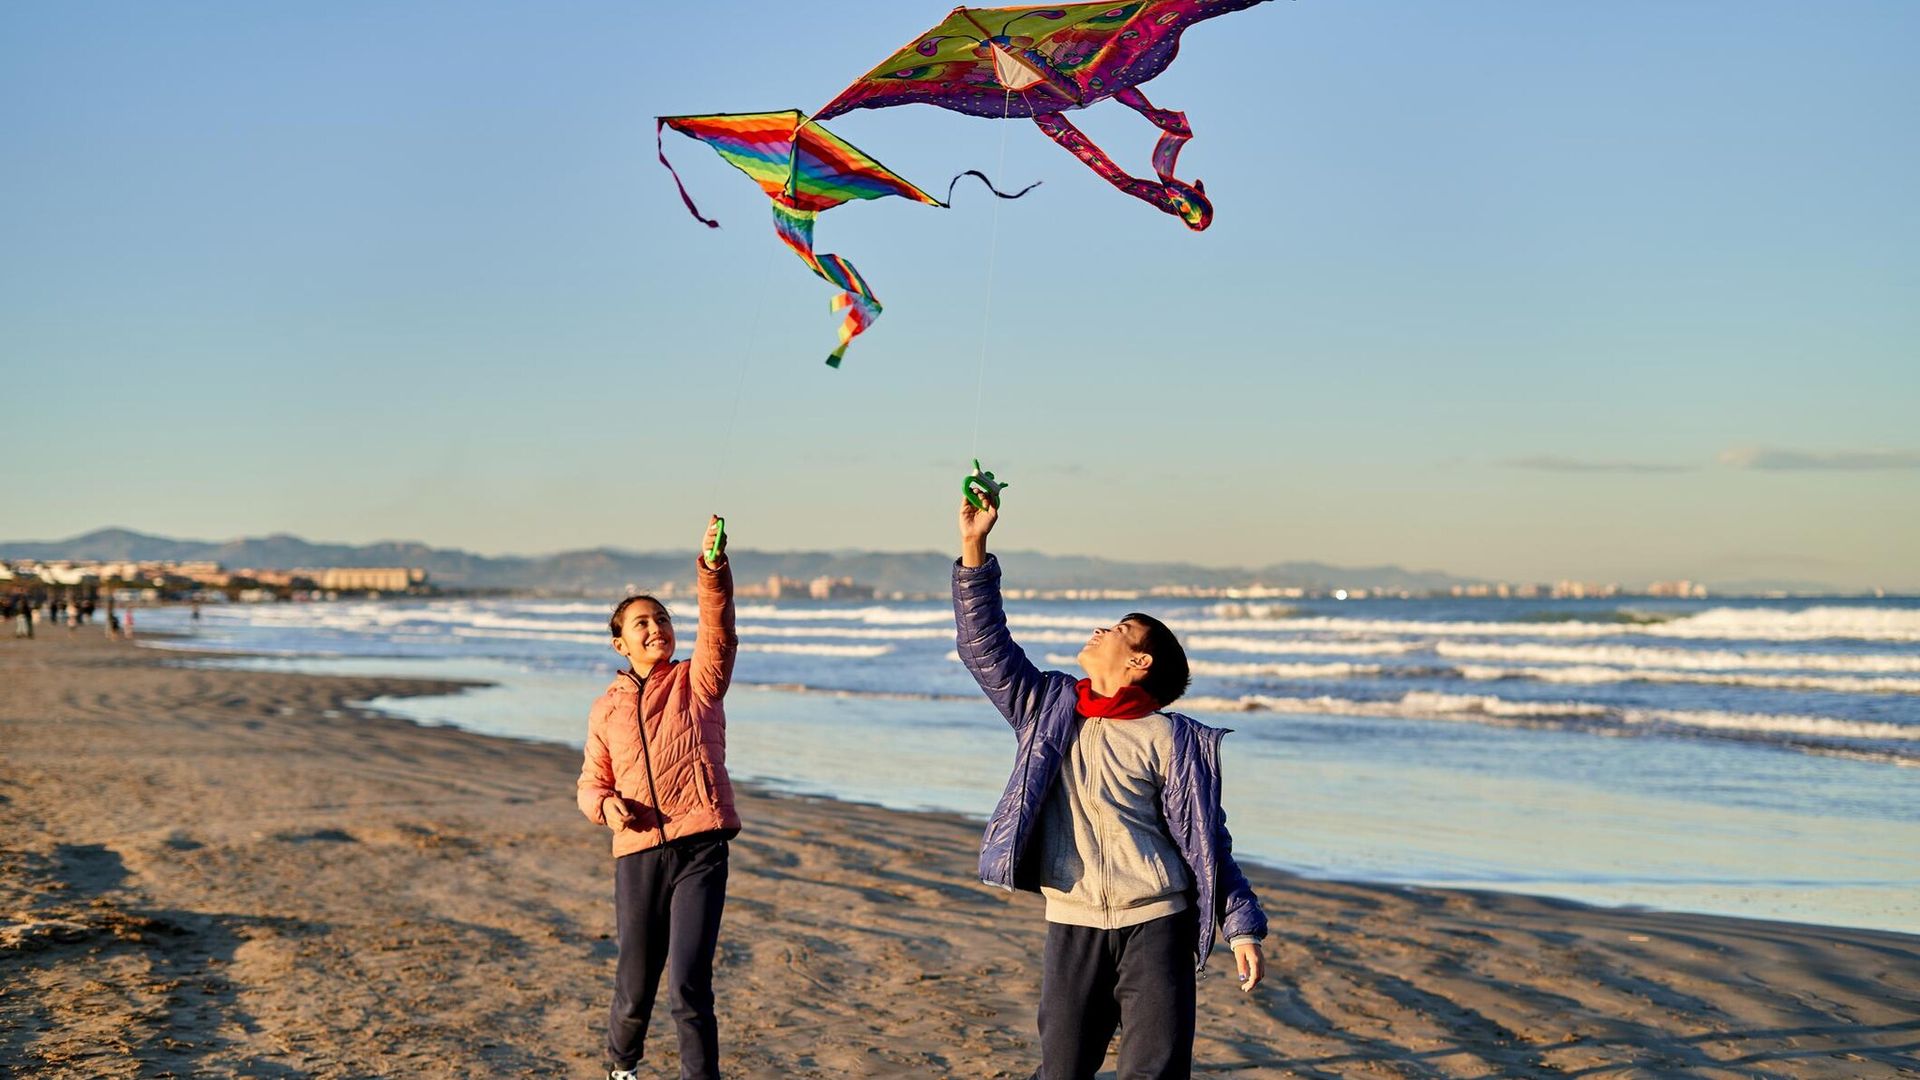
1514	289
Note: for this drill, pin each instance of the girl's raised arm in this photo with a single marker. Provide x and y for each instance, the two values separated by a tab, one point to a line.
715	647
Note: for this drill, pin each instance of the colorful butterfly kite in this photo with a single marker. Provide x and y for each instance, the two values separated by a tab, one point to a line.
804	169
1038	62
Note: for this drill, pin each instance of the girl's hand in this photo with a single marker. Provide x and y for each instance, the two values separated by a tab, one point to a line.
706	542
618	816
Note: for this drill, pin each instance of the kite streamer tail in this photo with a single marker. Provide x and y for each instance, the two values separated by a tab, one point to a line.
659	131
1188	202
1174	132
982	177
857	305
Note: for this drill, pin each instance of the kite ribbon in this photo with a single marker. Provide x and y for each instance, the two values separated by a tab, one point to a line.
659	130
1188	202
982	177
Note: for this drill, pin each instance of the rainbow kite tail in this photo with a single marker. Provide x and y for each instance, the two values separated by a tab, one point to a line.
860	314
857	304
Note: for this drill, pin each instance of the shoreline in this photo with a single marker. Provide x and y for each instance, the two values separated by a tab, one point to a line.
1320	816
182	650
224	873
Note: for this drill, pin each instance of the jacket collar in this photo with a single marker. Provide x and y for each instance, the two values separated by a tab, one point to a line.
640	681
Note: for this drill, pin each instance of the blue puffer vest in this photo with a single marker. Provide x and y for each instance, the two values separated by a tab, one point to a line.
1041	707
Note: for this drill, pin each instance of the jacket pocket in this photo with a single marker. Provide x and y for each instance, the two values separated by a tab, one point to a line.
1160	873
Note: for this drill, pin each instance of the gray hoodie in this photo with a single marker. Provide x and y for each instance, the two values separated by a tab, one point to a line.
1106	857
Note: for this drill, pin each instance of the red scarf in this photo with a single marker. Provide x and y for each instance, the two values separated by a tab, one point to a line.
1129	703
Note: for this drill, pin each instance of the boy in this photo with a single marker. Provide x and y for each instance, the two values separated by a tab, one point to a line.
1113	814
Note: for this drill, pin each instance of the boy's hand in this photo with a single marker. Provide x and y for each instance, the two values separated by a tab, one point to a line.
706	542
974	527
1250	964
618	816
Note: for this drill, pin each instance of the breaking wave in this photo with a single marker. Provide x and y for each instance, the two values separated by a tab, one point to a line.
1812	734
1588	674
1683	659
855	652
1738	624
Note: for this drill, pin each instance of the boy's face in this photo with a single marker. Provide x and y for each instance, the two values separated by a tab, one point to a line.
646	635
1114	652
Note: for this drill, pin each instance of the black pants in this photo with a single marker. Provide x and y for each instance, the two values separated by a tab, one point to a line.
667	903
1139	979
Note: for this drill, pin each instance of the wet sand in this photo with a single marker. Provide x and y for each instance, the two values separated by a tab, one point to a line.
241	874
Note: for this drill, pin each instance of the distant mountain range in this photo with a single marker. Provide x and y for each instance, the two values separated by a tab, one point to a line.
603	570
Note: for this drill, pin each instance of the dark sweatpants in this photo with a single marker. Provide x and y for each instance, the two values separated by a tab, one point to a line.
667	903
1138	978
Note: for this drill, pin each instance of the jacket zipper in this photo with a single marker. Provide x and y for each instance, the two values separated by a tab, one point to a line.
646	757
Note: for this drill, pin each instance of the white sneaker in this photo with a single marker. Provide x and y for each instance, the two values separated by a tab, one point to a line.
622	1074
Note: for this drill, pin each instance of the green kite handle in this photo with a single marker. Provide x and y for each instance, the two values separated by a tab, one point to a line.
719	537
979	486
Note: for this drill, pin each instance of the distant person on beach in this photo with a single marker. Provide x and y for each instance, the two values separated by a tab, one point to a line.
655	773
1113	814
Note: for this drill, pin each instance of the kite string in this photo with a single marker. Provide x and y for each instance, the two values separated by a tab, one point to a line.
993	251
740	381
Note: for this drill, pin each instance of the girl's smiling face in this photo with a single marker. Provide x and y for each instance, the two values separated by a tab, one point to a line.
646	635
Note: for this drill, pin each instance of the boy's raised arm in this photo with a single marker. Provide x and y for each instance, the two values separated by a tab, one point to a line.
718	643
1010	680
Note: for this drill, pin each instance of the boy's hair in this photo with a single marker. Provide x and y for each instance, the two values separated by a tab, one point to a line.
1167	677
619	609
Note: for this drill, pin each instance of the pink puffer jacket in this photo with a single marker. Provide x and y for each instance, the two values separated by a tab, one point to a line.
660	743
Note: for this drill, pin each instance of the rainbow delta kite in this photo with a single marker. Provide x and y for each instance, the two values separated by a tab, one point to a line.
804	169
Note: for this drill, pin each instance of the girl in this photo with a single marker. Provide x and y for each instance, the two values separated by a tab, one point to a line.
655	773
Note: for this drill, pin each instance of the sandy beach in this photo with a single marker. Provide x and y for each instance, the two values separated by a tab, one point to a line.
227	874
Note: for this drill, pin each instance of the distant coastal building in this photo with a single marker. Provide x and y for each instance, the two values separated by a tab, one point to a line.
1685	590
365	579
1502	590
1256	591
820	588
200	579
1584	590
842	588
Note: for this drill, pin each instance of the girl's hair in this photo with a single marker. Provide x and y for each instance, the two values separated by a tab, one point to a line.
619	609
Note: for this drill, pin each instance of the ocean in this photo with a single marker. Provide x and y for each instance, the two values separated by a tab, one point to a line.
1743	757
